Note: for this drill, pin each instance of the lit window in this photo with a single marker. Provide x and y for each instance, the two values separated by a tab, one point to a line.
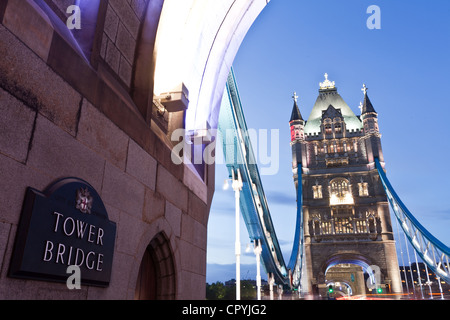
327	126
317	192
363	189
340	192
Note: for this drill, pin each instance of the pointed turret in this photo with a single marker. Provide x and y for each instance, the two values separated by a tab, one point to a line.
296	115
367	105
297	125
371	131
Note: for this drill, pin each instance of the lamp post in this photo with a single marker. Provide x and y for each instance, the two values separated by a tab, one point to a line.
271	281
257	250
237	187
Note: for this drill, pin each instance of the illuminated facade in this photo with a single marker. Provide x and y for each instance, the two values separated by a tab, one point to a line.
346	214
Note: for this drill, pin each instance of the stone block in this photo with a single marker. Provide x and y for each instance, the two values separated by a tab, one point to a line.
129	232
111	23
121	272
15	178
16	126
193	259
59	155
125	43
28	78
112	56
100	134
127	16
172	189
141	165
163	154
154	206
122	191
193	232
21	18
125	71
197	209
173	217
5	229
113	213
138	7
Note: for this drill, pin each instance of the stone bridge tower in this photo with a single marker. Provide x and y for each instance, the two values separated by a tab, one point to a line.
346	213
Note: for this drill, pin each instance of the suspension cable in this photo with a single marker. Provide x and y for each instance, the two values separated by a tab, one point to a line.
401	255
428	281
418	274
409	262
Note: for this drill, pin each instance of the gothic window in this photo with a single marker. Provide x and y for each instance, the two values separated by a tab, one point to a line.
363	188
327	126
298	132
337	125
355	146
339	147
317	192
340	192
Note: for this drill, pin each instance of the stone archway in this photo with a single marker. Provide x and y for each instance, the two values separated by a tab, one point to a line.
157	277
346	267
347	275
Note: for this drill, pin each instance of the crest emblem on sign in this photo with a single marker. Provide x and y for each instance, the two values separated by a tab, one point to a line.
84	200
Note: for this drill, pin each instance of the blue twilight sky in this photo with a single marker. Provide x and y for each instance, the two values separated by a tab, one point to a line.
406	66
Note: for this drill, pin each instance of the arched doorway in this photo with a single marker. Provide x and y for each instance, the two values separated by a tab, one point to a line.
350	270
156	277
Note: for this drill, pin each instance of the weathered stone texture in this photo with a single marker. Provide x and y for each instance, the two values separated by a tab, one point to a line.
61	117
102	136
16	127
58	154
29	79
141	165
123	191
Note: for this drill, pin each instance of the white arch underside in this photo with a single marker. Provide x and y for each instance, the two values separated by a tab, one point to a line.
196	44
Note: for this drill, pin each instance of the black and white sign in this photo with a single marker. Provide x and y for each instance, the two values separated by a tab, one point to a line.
65	225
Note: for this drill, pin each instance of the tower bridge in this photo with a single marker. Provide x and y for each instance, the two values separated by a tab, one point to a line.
343	198
87	117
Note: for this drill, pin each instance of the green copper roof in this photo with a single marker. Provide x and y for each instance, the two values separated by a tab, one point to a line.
329	96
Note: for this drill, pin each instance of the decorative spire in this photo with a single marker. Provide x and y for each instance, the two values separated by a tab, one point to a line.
327	84
367	107
296	115
365	89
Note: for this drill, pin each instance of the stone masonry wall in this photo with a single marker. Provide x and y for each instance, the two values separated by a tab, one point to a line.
59	118
122	23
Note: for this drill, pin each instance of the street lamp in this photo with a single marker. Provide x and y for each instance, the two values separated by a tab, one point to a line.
237	187
257	250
